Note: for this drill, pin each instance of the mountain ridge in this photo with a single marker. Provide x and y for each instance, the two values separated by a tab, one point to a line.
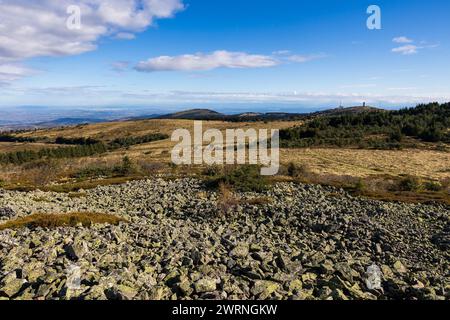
208	114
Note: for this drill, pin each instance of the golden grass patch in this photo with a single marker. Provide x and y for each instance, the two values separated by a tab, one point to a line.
363	163
6	147
75	195
257	201
40	199
61	220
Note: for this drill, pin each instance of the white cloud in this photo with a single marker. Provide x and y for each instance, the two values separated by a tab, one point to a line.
203	62
11	72
402	88
39	28
360	85
107	96
120	66
305	58
221	59
407	49
309	98
281	52
402	40
125	36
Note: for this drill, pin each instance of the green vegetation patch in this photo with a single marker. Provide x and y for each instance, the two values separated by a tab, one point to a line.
11	138
373	130
245	178
76	141
127	167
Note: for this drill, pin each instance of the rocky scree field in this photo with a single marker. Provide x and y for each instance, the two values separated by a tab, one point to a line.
307	242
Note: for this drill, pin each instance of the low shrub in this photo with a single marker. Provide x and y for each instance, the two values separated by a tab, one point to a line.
41	173
150	168
433	186
126	168
396	135
227	201
212	171
94	171
359	186
295	171
409	183
245	178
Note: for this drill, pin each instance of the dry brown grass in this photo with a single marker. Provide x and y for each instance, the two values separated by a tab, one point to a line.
384	188
363	163
61	220
430	164
407	196
19	146
111	130
72	187
259	201
40	199
379	170
153	157
77	195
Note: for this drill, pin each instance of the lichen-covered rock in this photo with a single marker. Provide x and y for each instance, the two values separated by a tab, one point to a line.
205	285
76	250
10	285
399	267
240	251
263	289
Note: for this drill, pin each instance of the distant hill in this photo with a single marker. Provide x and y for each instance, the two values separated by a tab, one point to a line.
68	122
194	114
206	114
349	110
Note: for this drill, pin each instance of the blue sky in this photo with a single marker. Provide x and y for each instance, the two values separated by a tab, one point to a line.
250	54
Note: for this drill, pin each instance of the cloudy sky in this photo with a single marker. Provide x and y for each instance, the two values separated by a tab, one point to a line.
175	53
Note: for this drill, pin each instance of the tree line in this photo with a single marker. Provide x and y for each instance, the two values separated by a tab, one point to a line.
11	138
58	140
84	149
130	141
76	141
426	122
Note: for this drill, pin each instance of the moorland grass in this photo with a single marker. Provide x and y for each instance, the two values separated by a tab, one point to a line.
73	219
